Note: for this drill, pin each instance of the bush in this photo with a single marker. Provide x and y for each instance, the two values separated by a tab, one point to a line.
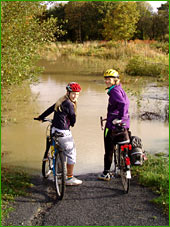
137	66
163	46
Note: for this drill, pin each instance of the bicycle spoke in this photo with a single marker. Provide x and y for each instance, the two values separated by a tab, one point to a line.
59	177
47	165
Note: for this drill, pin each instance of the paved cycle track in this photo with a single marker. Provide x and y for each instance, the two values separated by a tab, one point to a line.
94	203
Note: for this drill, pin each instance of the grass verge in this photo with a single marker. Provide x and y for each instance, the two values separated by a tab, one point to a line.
155	175
13	183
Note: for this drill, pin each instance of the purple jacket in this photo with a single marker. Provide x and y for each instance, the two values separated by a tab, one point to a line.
118	106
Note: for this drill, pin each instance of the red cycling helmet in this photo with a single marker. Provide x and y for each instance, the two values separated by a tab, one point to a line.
73	87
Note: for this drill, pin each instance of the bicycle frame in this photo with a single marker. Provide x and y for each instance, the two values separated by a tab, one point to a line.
55	151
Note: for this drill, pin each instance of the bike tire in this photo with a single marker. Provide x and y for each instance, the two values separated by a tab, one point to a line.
123	174
59	177
116	162
47	164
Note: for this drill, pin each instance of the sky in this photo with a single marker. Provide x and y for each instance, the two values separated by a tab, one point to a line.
154	4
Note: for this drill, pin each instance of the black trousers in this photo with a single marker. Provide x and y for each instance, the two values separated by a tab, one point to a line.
109	149
109	145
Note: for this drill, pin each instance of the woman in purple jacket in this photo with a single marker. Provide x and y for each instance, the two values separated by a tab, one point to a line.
117	110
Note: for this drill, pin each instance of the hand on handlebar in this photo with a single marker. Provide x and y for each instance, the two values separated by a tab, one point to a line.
38	119
43	119
116	121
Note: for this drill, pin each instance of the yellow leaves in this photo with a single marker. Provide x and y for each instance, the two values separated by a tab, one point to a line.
122	21
22	33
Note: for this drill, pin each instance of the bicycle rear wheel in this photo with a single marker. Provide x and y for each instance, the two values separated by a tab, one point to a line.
59	176
116	162
123	173
47	164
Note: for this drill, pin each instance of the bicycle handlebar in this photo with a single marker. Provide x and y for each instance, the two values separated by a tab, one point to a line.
117	124
36	119
101	122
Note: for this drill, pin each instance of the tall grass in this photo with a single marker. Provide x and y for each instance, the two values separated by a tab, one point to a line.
13	183
114	49
155	175
137	58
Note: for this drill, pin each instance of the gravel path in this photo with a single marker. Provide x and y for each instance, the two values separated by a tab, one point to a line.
94	203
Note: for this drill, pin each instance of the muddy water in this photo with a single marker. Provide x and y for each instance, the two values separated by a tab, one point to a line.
23	141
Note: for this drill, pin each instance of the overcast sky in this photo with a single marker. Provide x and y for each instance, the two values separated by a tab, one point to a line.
154	4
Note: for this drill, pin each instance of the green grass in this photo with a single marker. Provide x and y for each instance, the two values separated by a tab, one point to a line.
155	175
13	183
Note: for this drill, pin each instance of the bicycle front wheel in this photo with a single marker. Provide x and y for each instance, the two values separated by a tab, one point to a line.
123	173
59	176
47	163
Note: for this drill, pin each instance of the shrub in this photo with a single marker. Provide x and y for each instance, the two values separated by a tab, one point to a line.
137	66
163	46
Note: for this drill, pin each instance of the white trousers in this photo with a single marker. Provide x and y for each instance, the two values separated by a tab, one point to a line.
67	145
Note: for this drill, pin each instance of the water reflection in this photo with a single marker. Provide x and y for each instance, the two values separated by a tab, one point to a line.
25	141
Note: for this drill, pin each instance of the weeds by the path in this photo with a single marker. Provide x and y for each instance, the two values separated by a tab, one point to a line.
13	183
155	175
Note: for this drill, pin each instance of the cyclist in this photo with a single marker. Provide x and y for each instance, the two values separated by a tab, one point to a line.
64	117
118	106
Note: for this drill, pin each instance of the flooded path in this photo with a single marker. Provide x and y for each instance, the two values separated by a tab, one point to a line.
23	141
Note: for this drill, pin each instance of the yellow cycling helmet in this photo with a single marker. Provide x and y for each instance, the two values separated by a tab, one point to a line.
111	73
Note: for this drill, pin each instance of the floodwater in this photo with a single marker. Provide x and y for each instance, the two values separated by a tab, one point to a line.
23	141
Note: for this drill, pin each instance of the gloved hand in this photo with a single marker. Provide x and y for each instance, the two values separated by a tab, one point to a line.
38	118
116	121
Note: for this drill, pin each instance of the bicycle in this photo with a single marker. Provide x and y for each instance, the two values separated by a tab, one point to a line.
121	157
53	160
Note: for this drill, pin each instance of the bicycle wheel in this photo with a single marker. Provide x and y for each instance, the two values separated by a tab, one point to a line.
123	174
47	164
116	162
59	176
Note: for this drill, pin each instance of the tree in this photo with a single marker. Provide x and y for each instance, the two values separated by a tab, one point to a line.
84	20
152	25
74	13
163	21
120	21
81	21
23	33
144	25
90	18
95	11
58	11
